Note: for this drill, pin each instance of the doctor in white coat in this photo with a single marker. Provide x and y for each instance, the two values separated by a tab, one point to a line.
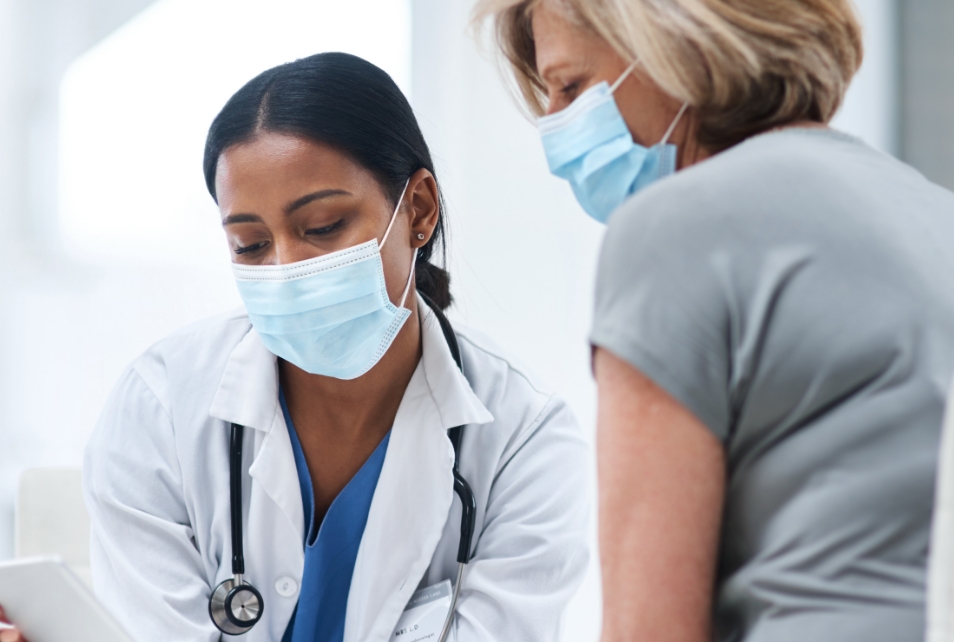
337	370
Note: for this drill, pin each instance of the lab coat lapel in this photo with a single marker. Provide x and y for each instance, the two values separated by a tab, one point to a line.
248	395
248	391
275	527
414	494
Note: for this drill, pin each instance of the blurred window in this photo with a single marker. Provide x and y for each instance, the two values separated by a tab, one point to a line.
135	110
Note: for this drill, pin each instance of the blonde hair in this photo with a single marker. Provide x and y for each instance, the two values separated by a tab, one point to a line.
746	66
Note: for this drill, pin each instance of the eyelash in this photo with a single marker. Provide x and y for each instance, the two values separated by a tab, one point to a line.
320	231
250	248
569	89
328	229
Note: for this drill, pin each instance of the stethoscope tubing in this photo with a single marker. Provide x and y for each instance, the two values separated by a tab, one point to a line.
235	498
445	630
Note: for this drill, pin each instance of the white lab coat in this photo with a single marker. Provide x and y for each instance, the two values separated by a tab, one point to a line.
156	480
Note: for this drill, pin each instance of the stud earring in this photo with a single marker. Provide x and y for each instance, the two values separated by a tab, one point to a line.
420	236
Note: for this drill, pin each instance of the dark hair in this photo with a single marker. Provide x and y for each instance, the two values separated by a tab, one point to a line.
350	104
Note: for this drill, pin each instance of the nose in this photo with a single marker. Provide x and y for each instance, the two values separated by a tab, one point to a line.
287	248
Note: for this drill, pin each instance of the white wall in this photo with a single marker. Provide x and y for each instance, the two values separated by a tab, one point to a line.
871	107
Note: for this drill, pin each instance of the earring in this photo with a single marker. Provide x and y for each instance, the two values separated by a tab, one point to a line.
420	236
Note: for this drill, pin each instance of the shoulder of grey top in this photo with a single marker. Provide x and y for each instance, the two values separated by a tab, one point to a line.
760	168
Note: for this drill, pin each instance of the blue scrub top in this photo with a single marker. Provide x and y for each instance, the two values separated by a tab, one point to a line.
331	548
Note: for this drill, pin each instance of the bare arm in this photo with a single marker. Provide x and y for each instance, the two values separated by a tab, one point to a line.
662	485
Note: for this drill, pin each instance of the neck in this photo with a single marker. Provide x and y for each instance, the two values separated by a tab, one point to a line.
335	411
691	151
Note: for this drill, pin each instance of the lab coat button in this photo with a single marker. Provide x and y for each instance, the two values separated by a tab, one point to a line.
286	586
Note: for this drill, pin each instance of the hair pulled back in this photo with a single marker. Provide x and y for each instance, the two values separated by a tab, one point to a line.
350	104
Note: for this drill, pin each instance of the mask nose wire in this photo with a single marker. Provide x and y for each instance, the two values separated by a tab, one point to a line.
394	215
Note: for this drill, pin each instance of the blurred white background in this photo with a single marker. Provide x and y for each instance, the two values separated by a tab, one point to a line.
114	241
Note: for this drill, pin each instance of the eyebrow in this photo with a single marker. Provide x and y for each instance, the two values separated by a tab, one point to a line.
234	219
314	196
550	69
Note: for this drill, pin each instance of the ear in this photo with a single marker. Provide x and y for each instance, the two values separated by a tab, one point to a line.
423	202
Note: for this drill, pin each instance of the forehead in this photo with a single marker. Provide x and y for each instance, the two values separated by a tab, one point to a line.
292	156
280	165
560	41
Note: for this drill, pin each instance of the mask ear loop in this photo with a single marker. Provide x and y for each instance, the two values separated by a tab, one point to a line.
394	215
623	76
410	274
682	110
672	127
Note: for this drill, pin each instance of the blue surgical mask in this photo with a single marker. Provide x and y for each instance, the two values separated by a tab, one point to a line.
589	145
330	315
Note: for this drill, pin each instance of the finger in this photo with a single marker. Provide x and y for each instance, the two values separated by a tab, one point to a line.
3	616
9	635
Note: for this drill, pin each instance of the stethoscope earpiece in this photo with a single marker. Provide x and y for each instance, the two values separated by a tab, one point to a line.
235	606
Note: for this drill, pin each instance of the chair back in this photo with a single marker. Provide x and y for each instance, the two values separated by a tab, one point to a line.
51	517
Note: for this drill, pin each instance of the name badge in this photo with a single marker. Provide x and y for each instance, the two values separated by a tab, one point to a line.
424	615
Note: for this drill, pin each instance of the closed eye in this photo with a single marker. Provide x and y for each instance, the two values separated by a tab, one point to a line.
324	231
255	247
571	91
572	88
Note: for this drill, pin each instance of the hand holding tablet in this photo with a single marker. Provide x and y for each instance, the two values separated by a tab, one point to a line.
8	632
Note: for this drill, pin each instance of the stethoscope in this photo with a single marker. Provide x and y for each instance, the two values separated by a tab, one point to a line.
236	606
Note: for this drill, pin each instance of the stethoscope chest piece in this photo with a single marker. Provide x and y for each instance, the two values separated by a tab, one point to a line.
235	607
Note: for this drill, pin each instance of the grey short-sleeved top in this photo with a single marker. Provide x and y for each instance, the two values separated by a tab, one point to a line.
796	293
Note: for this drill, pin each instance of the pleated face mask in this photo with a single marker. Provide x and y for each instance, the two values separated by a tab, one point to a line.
330	315
589	145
